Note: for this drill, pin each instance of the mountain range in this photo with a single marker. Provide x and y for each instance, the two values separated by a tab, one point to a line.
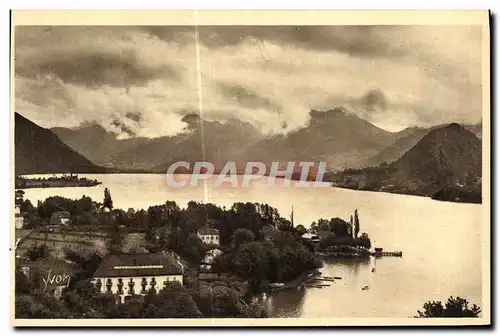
408	161
200	141
340	138
336	136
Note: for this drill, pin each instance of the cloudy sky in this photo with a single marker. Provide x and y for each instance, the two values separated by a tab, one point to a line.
143	80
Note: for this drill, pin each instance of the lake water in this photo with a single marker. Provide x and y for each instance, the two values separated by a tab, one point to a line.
441	242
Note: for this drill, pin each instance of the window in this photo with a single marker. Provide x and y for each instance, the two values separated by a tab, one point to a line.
153	283
131	284
120	286
98	284
109	284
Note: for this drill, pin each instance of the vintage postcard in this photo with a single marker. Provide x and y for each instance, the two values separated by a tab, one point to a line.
218	168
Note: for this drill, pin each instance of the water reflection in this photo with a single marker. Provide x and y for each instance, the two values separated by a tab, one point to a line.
353	265
287	303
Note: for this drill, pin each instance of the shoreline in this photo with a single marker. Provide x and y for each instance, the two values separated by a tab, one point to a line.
389	192
56	186
65	181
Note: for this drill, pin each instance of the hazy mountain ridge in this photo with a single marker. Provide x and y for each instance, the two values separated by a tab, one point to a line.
336	136
415	161
201	141
95	143
446	157
39	151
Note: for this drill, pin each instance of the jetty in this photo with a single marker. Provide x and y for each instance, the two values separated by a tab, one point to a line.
361	253
379	252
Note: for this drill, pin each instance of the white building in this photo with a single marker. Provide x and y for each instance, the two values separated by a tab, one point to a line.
60	218
18	218
209	235
208	260
311	237
137	274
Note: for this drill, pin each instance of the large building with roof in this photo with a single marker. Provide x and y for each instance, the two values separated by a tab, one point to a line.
209	235
136	274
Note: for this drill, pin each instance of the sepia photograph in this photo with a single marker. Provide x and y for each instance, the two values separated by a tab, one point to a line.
250	168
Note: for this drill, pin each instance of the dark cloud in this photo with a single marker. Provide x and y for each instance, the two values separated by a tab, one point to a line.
374	100
44	93
92	71
169	33
134	116
353	40
122	127
95	68
244	96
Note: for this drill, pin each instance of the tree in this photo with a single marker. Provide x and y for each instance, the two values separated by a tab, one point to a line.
55	203
26	206
23	285
339	227
115	240
454	307
240	237
221	300
38	252
356	223
284	225
251	261
351	227
108	202
84	204
321	225
363	241
300	230
168	214
195	249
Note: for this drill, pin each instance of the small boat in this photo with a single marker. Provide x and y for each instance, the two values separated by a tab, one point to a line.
324	279
365	288
338	278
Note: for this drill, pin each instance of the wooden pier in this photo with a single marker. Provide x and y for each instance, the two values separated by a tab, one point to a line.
388	254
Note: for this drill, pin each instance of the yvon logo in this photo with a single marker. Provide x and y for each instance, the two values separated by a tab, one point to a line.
55	280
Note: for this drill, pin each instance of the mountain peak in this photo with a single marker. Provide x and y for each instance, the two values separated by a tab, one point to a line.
445	155
454	126
39	150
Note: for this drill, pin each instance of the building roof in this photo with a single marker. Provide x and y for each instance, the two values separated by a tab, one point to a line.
141	264
310	236
49	266
205	231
